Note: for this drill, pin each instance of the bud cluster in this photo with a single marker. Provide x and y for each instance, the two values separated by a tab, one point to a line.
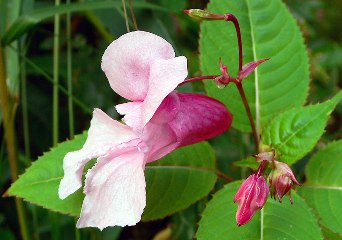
253	192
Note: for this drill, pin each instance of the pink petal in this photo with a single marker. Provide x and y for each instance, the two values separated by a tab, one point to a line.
115	191
251	196
262	192
243	188
161	140
199	118
127	62
168	109
132	112
165	77
128	107
104	133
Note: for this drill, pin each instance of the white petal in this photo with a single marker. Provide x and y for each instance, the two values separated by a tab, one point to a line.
132	112
115	191
165	77
104	133
127	62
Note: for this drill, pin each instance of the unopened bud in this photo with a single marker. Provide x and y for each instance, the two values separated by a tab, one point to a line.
281	180
251	196
200	14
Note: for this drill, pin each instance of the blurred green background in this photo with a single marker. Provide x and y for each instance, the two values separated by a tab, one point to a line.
29	74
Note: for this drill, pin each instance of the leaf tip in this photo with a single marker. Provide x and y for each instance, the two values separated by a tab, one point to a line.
5	194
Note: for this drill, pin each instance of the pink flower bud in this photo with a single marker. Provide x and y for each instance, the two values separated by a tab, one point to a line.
281	180
251	196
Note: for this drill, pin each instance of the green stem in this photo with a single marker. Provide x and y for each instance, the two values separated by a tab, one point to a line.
8	123
55	78
55	106
69	75
77	232
35	223
121	12
125	13
26	132
24	108
132	14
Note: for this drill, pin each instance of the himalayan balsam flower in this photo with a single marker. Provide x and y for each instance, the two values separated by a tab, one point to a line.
142	68
281	180
251	196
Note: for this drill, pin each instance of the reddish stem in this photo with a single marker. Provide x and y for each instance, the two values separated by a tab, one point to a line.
261	168
249	114
189	80
230	17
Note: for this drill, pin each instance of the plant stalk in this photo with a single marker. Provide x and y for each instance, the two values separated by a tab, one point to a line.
8	123
55	77
249	114
55	107
69	75
189	80
125	14
232	18
261	168
133	15
24	108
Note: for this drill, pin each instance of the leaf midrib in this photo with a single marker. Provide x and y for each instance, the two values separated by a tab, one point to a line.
256	74
257	102
302	127
199	169
323	187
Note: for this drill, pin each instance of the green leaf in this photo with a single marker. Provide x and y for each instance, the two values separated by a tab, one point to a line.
268	31
173	183
323	188
39	184
27	21
249	162
295	132
330	235
275	221
179	179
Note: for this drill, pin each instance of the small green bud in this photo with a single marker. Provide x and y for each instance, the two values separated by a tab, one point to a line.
200	14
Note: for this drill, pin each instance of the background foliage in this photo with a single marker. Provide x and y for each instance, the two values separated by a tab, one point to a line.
29	73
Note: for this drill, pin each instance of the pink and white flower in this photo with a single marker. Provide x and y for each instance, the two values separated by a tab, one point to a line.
142	68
